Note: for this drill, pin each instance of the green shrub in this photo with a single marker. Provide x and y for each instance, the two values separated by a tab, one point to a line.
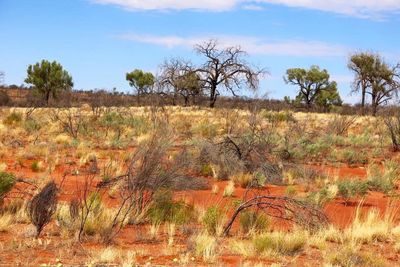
251	221
36	166
165	209
13	118
383	181
31	125
352	188
352	157
212	219
7	182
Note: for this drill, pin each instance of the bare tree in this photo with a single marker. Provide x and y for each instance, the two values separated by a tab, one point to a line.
179	76
225	68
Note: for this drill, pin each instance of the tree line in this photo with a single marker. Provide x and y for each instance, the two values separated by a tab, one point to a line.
226	69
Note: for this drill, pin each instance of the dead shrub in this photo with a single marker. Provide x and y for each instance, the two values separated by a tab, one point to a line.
42	207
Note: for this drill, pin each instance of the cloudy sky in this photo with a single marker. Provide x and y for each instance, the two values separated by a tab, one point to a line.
98	41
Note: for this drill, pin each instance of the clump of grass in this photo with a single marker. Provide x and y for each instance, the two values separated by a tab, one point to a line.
280	242
242	179
370	228
37	166
253	222
350	255
383	181
229	189
206	246
165	209
348	189
212	220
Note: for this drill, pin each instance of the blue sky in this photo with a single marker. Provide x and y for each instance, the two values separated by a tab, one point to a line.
98	41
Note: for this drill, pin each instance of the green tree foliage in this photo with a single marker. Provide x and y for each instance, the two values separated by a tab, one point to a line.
314	86
48	79
375	77
141	81
7	181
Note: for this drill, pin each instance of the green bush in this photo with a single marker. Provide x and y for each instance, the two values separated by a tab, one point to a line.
352	188
212	219
383	181
31	125
165	209
7	182
250	221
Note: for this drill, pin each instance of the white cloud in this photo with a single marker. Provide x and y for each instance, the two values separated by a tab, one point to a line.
359	8
211	5
252	45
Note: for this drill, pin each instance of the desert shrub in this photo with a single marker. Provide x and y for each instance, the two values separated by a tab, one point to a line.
280	242
36	166
352	188
42	207
206	170
253	222
351	157
339	125
13	119
31	125
139	124
276	117
7	182
326	194
212	220
383	181
165	209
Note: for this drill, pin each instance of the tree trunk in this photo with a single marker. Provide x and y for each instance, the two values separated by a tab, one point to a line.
363	92
213	96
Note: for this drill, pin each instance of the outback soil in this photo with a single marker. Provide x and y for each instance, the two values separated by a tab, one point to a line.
18	247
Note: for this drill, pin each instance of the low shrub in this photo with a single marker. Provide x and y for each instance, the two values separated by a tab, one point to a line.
352	188
253	222
165	209
213	220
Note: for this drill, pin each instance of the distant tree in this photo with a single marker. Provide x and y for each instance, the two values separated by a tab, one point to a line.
385	83
361	64
225	68
179	76
314	85
142	81
329	98
49	79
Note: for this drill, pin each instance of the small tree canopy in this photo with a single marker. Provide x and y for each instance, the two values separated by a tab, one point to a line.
49	79
141	81
314	86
